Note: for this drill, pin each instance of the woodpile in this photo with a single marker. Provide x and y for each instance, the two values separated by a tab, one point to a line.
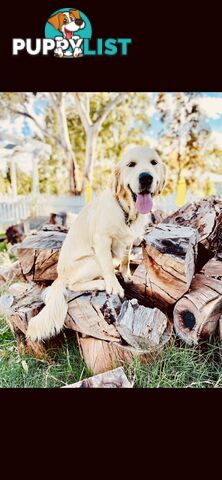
177	280
181	270
95	317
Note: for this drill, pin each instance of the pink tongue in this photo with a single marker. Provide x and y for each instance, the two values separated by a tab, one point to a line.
144	202
68	34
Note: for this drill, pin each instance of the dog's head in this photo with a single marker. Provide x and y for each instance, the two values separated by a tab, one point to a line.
67	22
141	175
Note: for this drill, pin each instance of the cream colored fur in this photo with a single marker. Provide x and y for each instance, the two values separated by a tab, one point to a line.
99	240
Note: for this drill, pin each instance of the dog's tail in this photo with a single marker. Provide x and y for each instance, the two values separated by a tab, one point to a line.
51	319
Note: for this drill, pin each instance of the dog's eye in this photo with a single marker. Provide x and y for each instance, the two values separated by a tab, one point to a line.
131	164
65	20
154	162
72	19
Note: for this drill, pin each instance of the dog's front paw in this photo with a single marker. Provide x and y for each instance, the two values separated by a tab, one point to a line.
78	52
113	286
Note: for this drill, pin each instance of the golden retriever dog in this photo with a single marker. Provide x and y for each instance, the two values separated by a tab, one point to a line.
101	237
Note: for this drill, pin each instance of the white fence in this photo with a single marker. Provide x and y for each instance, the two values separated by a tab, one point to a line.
13	210
22	207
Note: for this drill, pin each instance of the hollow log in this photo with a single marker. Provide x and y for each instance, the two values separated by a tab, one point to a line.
196	315
113	379
205	216
168	266
38	255
139	326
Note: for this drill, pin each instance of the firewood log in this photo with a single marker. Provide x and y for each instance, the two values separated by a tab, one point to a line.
38	255
139	326
101	356
26	306
93	314
205	216
113	379
169	254
196	315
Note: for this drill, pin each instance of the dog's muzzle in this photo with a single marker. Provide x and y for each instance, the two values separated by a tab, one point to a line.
145	182
79	22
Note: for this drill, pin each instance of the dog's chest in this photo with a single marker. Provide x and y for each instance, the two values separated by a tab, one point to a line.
122	241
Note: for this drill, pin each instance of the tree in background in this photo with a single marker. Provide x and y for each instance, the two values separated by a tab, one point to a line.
113	121
183	138
87	132
53	130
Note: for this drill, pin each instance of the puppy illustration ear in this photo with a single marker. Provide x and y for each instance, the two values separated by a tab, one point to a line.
115	184
162	178
75	14
55	21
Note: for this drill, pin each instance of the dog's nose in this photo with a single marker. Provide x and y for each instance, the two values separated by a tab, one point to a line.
145	180
79	22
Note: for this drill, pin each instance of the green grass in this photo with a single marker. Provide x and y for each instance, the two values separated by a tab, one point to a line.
178	366
29	372
181	366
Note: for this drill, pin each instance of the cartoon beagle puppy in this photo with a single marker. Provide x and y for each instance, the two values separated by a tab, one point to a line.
67	23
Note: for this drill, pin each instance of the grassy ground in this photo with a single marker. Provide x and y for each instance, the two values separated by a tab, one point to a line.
178	366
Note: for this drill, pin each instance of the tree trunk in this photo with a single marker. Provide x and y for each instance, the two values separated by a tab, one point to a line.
74	185
91	136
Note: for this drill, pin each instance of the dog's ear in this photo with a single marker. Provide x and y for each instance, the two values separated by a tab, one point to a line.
75	14
162	178
115	184
55	21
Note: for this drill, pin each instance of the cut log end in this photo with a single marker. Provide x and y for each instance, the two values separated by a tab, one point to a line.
196	315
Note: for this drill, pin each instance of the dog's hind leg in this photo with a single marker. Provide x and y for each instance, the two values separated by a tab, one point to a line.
90	285
84	271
